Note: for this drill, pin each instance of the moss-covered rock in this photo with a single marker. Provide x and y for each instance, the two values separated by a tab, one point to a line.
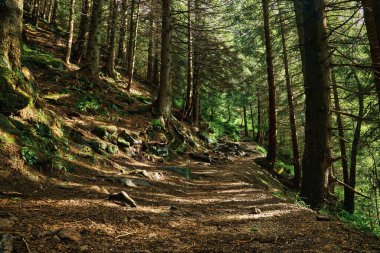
12	99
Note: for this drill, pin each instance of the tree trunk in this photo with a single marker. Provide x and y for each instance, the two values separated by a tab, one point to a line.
132	44
156	64
189	90
245	121
253	123
70	32
10	33
376	14
83	30
55	12
93	52
342	138
149	72
373	39
36	13
298	9
316	159
122	52
272	138
164	99
349	203
259	135
112	43
292	118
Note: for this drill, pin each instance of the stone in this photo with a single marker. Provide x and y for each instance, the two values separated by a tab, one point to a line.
129	137
56	238
127	182
6	243
141	182
255	210
69	234
84	248
6	223
186	172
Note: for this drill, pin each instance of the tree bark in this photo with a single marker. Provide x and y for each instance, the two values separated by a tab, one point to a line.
316	159
132	44
373	39
164	99
253	123
189	90
349	203
245	121
83	30
55	12
36	13
122	52
149	72
272	138
110	66
93	53
10	33
259	138
342	141
70	32
292	118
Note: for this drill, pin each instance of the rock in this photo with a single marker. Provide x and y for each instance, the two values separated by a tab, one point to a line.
106	133
186	172
112	149
121	142
157	176
196	214
69	234
201	157
127	182
323	218
6	223
123	197
130	138
141	182
95	188
255	210
84	248
6	243
12	98
56	238
163	151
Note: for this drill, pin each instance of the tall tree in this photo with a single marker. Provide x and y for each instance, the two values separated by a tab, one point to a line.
83	30
164	99
292	118
316	159
373	39
272	138
110	66
189	72
10	33
70	32
122	51
149	72
93	52
132	43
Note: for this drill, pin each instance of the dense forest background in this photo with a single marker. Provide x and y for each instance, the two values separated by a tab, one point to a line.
299	78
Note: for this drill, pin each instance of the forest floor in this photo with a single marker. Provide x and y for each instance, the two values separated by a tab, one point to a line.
229	204
230	207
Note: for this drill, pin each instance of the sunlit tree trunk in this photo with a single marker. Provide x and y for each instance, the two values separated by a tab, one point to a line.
164	99
10	33
110	66
55	12
272	138
122	51
316	159
132	43
70	32
83	30
93	52
189	72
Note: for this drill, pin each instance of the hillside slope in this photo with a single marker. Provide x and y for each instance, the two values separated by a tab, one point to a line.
64	155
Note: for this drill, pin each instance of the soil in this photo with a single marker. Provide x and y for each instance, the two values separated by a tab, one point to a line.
229	207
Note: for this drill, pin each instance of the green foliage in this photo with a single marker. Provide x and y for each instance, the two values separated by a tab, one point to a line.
156	123
88	104
289	169
360	221
29	156
222	129
261	150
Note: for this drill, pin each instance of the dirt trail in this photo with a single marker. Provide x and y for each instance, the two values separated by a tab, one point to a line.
216	211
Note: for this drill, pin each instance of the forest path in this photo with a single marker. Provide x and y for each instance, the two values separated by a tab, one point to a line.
216	211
